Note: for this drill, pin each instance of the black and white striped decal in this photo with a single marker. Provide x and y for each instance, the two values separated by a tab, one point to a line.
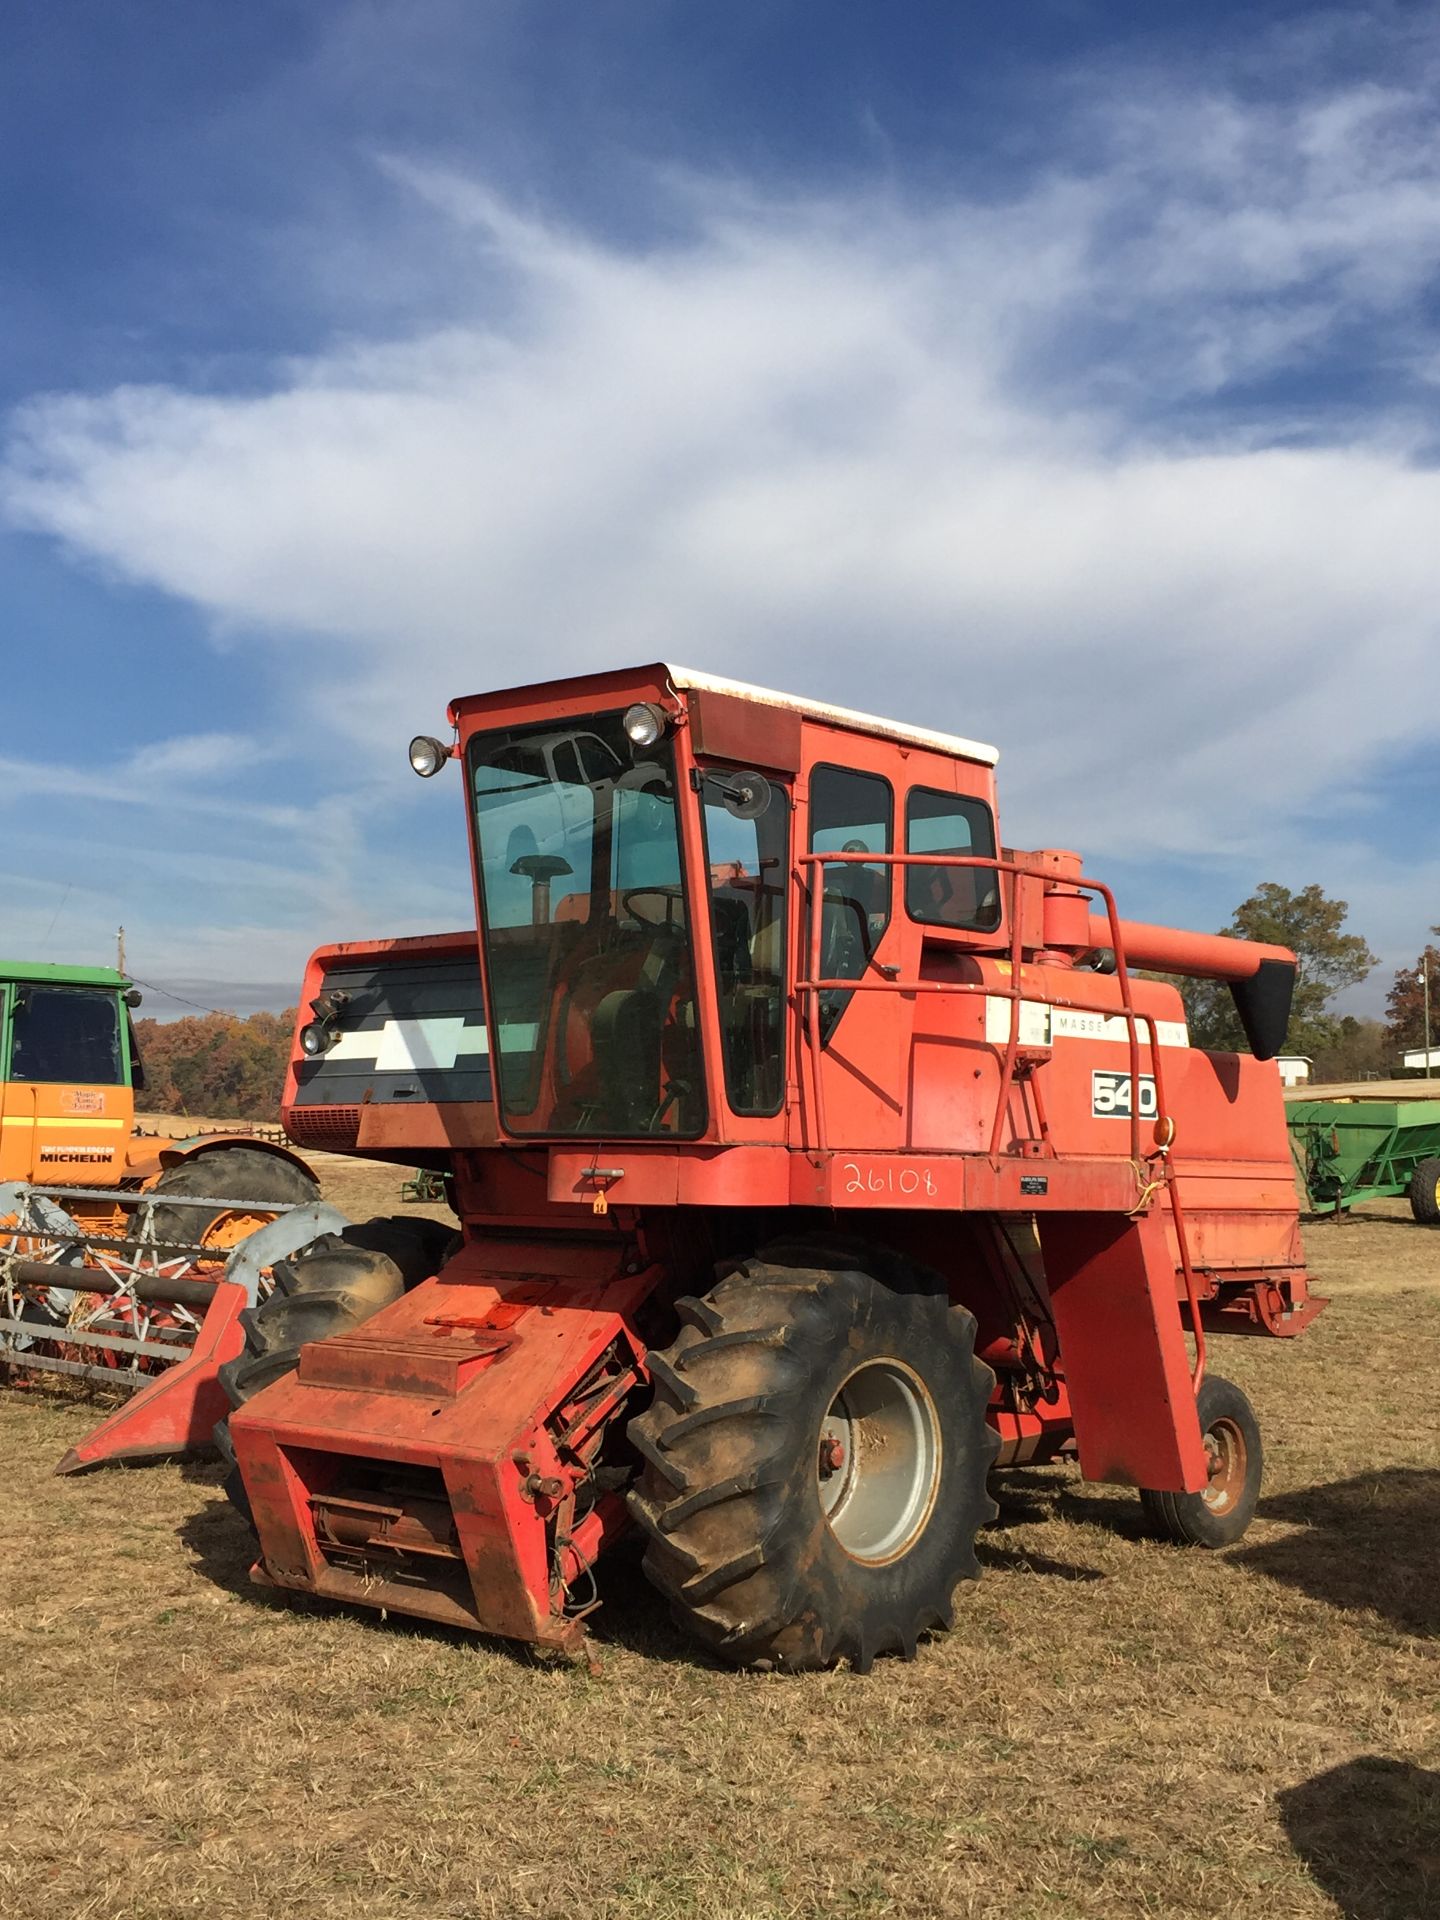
410	1031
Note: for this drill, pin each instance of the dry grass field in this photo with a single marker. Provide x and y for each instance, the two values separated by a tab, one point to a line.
1116	1727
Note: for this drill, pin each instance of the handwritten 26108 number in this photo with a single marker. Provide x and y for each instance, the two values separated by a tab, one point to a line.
902	1181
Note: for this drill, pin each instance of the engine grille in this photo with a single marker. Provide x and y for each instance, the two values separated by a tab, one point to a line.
324	1126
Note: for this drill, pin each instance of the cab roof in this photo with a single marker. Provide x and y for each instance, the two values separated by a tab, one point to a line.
691	679
848	717
42	973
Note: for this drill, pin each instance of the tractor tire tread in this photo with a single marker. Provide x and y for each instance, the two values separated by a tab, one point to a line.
242	1173
730	1394
1424	1192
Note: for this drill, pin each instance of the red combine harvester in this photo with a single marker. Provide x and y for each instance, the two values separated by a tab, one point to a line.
813	1155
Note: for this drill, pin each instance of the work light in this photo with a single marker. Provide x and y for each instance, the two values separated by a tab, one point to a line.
317	1038
644	723
427	755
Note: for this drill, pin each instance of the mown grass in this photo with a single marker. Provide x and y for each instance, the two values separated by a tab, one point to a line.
1115	1728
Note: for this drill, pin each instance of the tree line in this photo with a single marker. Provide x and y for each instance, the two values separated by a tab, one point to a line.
216	1065
1330	958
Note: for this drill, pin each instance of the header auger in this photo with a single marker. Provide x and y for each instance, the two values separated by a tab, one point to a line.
814	1154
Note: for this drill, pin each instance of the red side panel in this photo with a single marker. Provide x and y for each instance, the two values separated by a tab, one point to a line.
1112	1284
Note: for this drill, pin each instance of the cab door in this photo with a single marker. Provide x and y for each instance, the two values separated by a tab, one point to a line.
864	1035
17	1112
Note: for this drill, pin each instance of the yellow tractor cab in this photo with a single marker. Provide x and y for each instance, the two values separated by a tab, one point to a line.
68	1073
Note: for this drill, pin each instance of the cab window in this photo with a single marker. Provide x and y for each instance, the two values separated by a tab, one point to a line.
69	1035
966	897
746	864
849	813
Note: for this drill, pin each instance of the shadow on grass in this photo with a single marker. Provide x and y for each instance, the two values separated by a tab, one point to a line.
1369	1833
1367	1542
1054	1493
637	1617
1354	1217
1008	1560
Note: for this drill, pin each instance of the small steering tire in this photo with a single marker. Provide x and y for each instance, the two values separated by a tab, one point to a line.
1218	1516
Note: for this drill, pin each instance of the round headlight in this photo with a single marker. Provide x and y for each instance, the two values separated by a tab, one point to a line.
315	1038
644	724
427	755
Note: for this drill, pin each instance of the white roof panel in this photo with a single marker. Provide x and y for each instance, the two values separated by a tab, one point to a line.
689	677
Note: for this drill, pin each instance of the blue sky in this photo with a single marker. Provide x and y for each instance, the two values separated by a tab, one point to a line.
1062	374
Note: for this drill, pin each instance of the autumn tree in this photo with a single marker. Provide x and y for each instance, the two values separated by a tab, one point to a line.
1312	926
216	1065
1405	1002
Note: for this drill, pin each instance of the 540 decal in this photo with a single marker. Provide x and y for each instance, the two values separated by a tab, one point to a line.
1110	1095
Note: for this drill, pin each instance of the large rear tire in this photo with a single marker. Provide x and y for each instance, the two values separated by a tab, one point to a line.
814	1461
228	1173
332	1286
1425	1193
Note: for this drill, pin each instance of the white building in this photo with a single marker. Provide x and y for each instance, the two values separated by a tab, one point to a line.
1421	1061
1294	1068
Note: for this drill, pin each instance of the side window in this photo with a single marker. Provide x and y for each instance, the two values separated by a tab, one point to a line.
746	861
598	762
966	897
137	1064
849	813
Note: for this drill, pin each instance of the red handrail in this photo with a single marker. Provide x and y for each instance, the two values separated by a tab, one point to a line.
814	985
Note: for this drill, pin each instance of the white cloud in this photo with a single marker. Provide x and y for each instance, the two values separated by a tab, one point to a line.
954	461
190	756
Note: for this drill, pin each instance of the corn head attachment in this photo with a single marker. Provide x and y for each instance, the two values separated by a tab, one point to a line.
150	1310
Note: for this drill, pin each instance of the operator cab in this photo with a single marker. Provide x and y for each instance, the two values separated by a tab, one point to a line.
68	1064
646	844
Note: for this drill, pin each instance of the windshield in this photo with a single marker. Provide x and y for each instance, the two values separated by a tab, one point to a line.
587	936
66	1034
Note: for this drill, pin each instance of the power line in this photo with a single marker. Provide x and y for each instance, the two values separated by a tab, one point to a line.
57	913
225	1013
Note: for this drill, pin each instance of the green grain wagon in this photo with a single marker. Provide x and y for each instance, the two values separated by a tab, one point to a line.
1362	1149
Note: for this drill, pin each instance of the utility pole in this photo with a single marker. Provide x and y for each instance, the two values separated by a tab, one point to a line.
1425	1002
120	956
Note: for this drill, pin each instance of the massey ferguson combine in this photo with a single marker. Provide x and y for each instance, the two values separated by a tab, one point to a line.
814	1155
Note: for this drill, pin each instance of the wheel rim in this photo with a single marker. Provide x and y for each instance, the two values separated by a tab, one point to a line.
226	1230
1225	1446
878	1461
